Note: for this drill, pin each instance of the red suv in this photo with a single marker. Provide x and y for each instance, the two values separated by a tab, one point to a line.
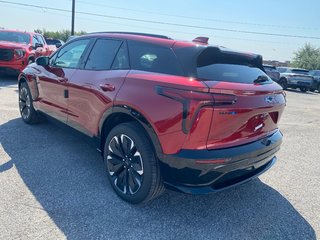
186	115
18	49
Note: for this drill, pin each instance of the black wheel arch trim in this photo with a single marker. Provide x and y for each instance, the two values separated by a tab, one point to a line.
139	118
32	84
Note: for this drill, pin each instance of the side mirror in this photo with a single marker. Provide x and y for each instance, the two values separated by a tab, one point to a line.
42	61
58	45
38	45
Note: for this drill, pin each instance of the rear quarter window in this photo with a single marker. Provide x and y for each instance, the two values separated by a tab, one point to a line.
152	58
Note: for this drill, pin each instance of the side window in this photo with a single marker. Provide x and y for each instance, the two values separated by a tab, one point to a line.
40	39
152	58
102	54
121	61
34	40
70	55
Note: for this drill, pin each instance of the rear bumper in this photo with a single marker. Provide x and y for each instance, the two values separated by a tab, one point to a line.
204	171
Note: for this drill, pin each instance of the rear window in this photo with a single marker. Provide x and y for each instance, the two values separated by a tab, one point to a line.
282	70
229	73
150	58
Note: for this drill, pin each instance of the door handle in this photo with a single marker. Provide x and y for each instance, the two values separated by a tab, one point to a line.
107	87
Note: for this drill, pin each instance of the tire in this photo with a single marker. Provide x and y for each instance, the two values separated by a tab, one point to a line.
132	167
283	83
28	114
30	61
303	89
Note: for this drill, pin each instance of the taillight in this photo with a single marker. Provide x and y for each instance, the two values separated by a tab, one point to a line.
19	53
193	101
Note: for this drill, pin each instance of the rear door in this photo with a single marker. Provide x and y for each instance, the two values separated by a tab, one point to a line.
248	104
93	88
52	83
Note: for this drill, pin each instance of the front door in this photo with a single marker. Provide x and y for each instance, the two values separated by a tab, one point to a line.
93	88
53	83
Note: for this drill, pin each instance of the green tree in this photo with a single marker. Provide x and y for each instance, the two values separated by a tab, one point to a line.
307	57
62	34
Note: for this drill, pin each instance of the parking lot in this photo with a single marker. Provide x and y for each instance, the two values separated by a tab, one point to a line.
53	186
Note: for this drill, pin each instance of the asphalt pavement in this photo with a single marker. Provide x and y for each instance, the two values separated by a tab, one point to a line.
53	186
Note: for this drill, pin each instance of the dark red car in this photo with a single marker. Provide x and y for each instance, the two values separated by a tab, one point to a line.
18	49
186	115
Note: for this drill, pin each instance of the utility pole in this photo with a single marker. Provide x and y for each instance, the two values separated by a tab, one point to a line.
72	20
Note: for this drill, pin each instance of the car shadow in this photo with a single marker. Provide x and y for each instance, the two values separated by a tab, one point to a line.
67	178
6	81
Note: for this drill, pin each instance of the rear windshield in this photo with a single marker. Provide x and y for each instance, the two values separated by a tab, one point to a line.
230	73
14	37
282	70
52	41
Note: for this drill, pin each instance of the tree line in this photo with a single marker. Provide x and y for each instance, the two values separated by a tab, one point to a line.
62	34
307	57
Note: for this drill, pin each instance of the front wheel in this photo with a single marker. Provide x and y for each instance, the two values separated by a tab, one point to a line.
28	113
131	164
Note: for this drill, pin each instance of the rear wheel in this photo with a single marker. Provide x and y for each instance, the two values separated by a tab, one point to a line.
132	166
283	83
303	89
28	113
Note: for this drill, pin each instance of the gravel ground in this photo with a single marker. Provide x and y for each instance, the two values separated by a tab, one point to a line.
53	186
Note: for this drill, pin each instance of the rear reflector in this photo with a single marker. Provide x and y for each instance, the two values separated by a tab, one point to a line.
215	161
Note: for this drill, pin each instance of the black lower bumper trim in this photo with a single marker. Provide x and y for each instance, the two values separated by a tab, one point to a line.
182	172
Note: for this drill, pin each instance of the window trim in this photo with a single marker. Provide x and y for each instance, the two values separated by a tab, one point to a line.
133	42
94	41
80	63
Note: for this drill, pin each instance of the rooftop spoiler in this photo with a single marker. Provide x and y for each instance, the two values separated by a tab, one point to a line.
204	40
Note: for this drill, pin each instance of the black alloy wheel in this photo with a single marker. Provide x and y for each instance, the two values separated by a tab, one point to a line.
125	164
28	113
132	167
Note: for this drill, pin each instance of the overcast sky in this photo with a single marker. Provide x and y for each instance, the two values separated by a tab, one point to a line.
287	17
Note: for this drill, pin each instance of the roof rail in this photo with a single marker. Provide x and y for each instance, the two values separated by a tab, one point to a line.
137	33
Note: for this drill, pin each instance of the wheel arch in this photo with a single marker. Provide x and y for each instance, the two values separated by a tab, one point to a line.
121	114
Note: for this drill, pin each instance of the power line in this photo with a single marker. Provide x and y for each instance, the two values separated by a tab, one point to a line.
197	18
164	23
176	31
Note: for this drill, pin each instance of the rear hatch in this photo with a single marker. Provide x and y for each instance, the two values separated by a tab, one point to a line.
248	104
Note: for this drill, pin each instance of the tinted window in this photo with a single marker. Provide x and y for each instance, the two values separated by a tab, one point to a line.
34	41
300	71
282	70
121	61
153	59
102	54
40	39
230	73
70	55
